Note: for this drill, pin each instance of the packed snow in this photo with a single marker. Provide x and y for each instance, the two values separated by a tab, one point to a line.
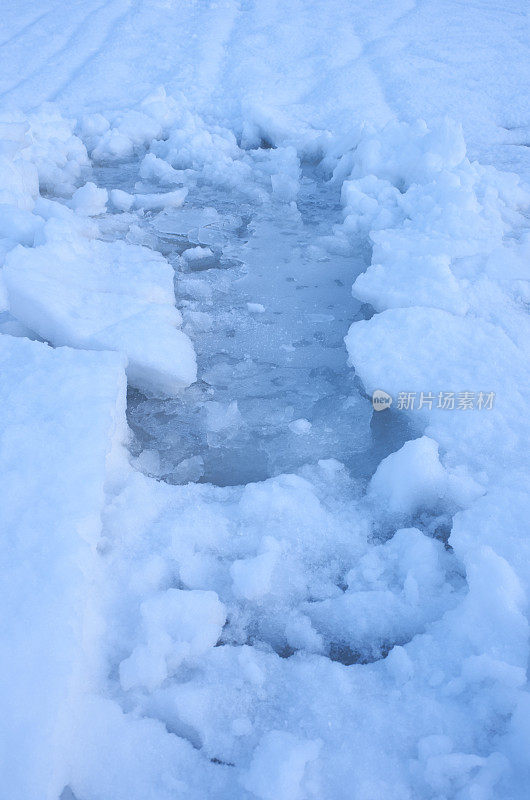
264	351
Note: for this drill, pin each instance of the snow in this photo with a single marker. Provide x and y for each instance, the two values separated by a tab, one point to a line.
278	766
223	228
413	479
89	200
75	289
53	490
176	625
256	308
300	426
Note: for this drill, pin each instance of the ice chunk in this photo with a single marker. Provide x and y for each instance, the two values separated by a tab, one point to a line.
222	416
123	201
186	220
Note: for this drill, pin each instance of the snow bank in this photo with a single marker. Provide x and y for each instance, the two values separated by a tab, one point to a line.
181	147
448	242
434	339
53	491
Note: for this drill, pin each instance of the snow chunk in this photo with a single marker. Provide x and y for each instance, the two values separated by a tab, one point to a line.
19	226
279	765
430	350
300	426
160	201
89	200
122	201
176	624
93	294
56	151
393	591
252	576
256	308
137	758
19	182
196	253
413	479
156	169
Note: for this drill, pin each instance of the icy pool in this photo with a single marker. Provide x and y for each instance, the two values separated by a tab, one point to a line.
267	308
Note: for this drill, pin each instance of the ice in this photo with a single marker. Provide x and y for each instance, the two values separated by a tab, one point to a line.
282	364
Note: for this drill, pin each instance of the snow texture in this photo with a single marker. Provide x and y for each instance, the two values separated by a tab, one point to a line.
226	575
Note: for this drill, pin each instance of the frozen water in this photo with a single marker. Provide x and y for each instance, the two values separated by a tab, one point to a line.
267	309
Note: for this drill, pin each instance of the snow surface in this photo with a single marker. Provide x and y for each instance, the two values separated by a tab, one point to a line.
62	428
223	226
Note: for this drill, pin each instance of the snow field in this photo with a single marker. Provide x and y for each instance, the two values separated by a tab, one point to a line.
315	634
